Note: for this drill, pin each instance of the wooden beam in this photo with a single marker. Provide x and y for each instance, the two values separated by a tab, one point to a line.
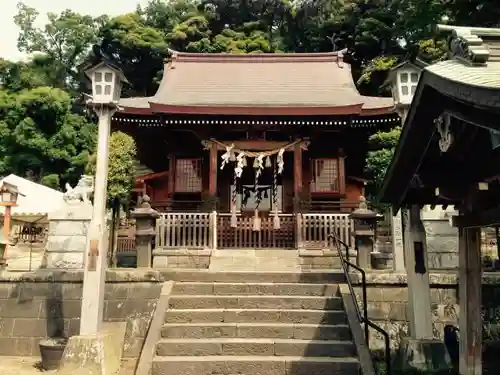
470	323
478	219
257	145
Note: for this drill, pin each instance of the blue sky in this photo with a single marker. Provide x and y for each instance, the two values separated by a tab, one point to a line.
8	40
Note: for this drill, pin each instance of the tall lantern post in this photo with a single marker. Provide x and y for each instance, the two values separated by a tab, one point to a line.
107	82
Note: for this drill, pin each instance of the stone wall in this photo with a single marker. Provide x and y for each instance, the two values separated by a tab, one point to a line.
48	303
442	244
387	296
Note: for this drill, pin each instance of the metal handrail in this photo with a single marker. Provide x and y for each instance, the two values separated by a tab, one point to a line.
363	318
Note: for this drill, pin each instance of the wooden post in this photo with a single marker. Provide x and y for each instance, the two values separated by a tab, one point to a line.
213	230
298	235
470	279
212	177
7	223
6	233
297	175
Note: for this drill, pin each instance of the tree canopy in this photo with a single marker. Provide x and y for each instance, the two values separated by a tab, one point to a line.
46	133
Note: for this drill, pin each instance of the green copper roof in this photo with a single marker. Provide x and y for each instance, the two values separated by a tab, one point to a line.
487	76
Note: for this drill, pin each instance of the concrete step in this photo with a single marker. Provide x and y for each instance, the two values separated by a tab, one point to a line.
253	365
254	346
257	330
254	302
255	315
260	253
290	289
304	276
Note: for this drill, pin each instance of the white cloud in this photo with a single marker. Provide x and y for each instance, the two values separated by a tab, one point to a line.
8	40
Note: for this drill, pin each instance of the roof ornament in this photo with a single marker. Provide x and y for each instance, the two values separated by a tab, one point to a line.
464	44
340	57
174	54
443	128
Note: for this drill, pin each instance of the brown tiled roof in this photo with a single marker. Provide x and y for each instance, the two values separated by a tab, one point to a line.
258	84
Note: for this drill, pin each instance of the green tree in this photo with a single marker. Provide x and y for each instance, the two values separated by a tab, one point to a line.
40	136
65	42
382	146
138	48
122	154
121	177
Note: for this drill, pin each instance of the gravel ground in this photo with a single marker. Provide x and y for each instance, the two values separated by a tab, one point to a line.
31	366
22	366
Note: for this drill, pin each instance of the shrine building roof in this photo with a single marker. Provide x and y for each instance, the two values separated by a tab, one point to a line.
258	84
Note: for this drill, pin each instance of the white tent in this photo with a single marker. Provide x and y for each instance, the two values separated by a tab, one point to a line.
36	201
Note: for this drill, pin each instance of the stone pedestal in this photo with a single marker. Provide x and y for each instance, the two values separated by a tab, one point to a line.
67	236
97	354
145	223
425	355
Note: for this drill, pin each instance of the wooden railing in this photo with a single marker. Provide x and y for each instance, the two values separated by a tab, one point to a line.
341	206
125	244
314	229
26	233
185	230
210	231
243	236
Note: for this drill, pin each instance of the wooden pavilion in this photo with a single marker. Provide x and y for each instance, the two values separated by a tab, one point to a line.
449	154
275	144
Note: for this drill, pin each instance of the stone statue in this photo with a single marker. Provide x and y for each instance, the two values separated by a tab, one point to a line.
80	193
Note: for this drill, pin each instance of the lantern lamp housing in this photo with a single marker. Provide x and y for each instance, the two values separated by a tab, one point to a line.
107	81
8	194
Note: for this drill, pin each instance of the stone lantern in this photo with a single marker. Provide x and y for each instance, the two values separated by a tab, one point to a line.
365	226
145	223
107	81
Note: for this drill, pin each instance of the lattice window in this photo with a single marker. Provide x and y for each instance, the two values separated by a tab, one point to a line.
188	175
325	176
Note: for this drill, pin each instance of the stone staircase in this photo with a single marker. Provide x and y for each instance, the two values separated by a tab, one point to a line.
254	329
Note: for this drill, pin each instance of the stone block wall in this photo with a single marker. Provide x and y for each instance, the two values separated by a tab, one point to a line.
442	244
48	303
387	296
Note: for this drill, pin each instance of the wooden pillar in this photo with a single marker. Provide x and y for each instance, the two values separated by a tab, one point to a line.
342	179
212	174
6	232
171	181
419	294
297	175
7	223
470	280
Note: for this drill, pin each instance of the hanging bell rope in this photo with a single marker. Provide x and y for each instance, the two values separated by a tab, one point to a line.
276	218
234	219
256	218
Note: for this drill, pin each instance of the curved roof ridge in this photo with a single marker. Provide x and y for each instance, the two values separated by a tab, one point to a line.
309	83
